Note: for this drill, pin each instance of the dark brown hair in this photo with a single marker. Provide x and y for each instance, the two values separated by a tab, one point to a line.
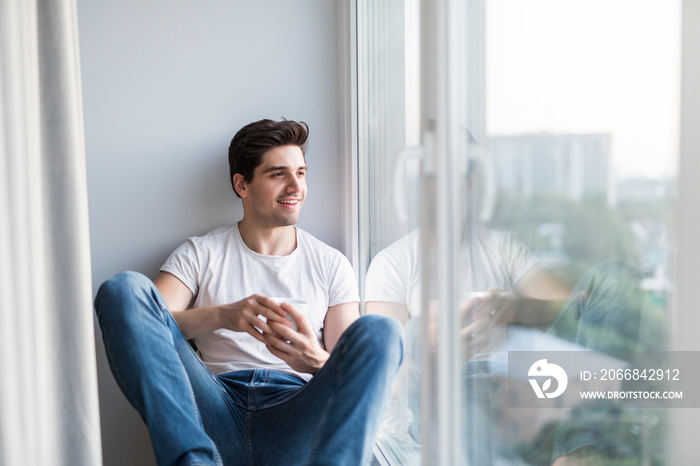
252	141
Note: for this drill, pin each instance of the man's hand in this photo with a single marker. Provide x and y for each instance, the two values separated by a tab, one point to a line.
497	306
480	328
477	328
300	349
241	316
244	316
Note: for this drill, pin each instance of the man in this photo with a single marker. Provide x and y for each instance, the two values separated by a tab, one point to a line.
262	392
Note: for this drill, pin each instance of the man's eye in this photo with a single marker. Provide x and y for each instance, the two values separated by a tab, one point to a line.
277	174
301	174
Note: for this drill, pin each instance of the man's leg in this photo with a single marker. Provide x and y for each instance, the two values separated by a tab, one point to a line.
603	313
604	309
334	418
161	376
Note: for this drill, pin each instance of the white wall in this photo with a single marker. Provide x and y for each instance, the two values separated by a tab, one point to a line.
166	84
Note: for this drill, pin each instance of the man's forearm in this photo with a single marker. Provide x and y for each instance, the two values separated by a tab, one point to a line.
538	313
198	321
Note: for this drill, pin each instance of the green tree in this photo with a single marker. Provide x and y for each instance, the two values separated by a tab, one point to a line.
593	232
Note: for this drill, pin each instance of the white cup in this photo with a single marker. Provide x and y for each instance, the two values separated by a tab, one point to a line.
473	294
301	306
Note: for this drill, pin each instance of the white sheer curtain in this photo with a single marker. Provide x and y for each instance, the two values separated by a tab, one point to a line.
49	411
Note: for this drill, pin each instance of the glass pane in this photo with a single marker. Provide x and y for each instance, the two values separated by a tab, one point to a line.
570	250
562	143
389	188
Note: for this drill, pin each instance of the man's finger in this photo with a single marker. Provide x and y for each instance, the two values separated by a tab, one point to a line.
299	317
269	307
469	309
254	332
475	328
263	326
276	342
276	352
273	312
284	331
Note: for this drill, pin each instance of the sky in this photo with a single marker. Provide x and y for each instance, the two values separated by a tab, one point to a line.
611	66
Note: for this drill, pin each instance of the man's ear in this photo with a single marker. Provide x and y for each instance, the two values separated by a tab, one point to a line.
240	185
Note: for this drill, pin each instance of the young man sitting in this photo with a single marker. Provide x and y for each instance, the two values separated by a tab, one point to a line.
260	392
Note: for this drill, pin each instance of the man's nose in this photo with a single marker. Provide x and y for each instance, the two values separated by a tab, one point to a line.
294	184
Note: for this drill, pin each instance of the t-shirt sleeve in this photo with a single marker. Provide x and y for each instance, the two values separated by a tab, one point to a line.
387	277
343	285
185	263
520	259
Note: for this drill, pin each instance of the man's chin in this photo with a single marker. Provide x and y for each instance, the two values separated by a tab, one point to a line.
287	221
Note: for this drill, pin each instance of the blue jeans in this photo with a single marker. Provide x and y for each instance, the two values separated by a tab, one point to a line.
259	417
603	313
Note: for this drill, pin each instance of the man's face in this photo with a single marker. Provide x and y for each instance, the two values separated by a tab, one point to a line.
278	189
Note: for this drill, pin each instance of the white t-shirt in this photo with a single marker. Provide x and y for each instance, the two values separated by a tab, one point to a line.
219	268
495	259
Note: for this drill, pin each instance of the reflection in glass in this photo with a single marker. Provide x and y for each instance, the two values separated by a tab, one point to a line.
511	303
565	232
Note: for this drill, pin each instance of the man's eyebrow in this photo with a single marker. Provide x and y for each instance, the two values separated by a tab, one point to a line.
281	168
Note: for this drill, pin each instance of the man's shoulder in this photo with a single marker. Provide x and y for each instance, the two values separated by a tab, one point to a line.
314	244
330	266
214	236
491	234
400	257
494	239
406	247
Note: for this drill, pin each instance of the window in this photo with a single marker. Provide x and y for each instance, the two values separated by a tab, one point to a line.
537	214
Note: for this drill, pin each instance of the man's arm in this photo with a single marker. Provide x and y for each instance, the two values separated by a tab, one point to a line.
396	310
544	295
535	302
338	319
540	284
241	316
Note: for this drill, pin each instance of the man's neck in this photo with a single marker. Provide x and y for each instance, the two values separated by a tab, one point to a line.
269	241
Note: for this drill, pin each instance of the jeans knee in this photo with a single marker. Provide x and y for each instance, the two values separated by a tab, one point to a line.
120	283
381	335
612	274
118	290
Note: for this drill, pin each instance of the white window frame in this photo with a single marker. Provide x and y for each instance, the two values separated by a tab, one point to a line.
686	422
348	108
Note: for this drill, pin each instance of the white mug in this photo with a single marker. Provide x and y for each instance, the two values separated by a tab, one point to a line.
472	294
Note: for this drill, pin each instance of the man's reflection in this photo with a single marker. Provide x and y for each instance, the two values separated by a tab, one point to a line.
505	287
